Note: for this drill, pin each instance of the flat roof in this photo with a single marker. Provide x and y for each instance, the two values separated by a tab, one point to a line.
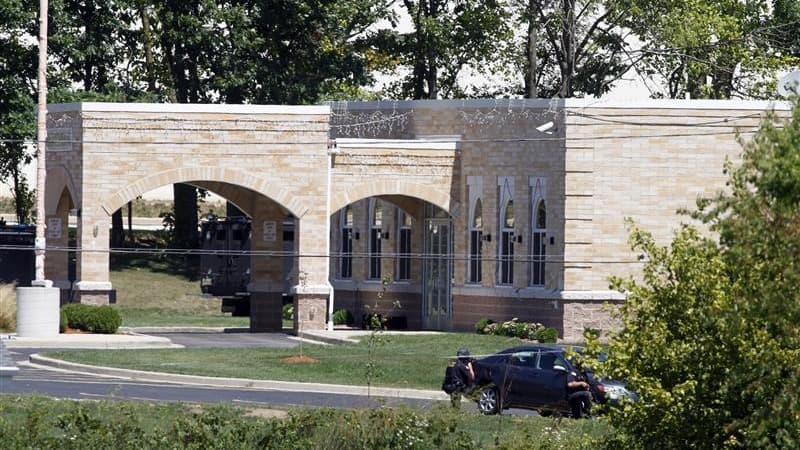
189	108
569	103
327	108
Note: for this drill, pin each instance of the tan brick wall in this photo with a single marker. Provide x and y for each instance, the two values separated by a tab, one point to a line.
602	163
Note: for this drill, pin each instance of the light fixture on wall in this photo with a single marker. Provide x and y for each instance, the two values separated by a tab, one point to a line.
487	237
385	235
547	127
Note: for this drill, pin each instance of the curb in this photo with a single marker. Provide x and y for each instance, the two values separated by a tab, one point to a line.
286	386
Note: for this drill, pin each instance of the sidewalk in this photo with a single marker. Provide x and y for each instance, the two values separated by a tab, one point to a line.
136	339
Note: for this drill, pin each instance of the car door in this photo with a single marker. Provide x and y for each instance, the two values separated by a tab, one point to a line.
520	370
551	379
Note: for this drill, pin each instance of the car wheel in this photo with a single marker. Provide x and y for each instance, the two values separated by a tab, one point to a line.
489	400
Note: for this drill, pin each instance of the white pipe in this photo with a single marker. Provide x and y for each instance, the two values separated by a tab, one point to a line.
331	153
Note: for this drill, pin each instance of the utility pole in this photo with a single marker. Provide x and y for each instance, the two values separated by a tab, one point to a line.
38	304
41	137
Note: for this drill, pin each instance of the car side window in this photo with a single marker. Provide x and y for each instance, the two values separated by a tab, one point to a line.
547	360
523	359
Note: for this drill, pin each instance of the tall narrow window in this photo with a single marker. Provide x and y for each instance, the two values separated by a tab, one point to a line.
404	246
507	244
375	235
346	261
475	240
538	243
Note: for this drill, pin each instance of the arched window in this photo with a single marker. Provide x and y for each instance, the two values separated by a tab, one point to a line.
538	244
475	240
346	260
375	236
541	216
507	244
405	223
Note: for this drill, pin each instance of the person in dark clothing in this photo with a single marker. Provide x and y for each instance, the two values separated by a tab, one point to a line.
464	375
578	395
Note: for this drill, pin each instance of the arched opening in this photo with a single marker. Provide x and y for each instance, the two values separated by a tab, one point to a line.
392	255
238	274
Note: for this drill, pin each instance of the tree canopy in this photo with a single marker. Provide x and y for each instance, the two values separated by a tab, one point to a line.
709	335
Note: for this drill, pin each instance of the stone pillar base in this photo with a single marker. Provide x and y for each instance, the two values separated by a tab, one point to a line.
310	312
93	293
95	297
266	310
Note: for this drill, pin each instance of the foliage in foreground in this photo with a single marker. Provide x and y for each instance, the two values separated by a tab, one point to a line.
709	336
33	422
8	308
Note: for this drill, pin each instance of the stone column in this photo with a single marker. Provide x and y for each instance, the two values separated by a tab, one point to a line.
268	274
93	285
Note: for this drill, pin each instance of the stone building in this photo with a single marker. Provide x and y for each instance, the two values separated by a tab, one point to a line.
453	210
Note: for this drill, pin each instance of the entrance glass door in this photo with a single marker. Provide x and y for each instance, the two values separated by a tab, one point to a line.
437	274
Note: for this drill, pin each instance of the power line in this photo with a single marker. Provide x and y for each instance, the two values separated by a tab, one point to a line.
518	258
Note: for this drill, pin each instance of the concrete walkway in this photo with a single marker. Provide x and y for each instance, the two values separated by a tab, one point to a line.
138	339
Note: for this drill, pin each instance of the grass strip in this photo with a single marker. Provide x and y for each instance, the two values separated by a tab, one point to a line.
406	361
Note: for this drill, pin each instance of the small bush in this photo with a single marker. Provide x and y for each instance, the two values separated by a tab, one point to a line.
62	321
288	312
95	319
8	307
342	317
547	335
515	328
480	326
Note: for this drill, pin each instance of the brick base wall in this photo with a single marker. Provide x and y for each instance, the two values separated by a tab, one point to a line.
569	317
360	303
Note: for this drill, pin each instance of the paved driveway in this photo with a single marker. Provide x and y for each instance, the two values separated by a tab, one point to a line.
229	340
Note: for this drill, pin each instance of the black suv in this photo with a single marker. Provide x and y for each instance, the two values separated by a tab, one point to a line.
535	377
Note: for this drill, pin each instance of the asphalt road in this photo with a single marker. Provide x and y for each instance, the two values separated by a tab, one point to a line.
61	384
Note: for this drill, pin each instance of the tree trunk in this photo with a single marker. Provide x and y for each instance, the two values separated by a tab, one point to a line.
432	72
531	90
19	196
185	197
568	46
148	48
130	222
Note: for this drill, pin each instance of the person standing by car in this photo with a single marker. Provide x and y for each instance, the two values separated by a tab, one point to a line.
464	374
578	395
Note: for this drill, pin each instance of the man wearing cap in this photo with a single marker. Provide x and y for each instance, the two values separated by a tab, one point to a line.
464	376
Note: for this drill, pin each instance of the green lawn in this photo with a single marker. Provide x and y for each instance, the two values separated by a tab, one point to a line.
153	298
413	361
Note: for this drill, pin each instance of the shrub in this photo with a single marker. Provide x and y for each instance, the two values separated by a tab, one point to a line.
95	319
8	308
547	335
62	321
288	312
480	326
515	328
342	317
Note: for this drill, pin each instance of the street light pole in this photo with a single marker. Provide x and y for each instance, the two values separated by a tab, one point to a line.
41	137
